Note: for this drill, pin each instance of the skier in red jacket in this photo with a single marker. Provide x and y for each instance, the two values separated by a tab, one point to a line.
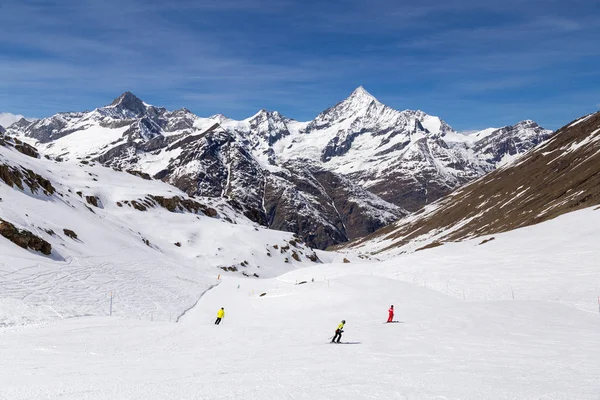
391	314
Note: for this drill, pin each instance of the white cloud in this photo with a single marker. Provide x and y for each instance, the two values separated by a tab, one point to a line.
7	119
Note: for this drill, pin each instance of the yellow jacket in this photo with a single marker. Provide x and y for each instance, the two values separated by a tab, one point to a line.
220	313
340	326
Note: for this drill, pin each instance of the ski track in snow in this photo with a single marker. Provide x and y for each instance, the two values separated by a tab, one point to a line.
277	348
195	304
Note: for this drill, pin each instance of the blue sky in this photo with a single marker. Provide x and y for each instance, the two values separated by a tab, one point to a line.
473	63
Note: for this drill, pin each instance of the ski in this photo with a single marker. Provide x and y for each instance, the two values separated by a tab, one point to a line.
344	342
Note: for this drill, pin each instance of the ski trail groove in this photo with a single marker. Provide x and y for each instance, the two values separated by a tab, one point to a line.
196	303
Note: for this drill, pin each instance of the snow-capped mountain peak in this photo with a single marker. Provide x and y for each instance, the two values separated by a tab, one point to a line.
360	104
361	96
262	113
7	119
20	124
128	105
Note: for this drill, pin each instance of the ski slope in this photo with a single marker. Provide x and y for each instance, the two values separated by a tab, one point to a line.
460	334
155	262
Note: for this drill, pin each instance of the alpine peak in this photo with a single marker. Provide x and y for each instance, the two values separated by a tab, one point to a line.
526	123
266	114
261	112
129	101
361	95
125	98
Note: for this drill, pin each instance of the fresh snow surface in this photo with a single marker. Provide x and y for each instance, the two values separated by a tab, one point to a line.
83	143
460	334
477	135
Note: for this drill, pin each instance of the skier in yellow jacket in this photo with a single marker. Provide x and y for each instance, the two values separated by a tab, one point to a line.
338	332
220	316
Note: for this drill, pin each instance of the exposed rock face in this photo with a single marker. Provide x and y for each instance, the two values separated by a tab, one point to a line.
23	177
511	141
23	238
291	197
18	145
356	167
298	194
177	204
26	149
559	176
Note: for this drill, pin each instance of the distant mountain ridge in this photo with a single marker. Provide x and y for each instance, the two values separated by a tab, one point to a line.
356	167
558	176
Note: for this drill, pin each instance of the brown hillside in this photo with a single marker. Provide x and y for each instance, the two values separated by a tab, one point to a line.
560	176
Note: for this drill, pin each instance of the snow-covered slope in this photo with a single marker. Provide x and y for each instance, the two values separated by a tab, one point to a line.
89	230
406	159
515	318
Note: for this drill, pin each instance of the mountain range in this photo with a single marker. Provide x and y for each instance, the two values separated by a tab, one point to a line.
557	177
358	166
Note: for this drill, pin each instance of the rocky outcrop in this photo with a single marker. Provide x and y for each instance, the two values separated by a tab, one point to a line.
24	238
70	233
23	177
178	204
24	148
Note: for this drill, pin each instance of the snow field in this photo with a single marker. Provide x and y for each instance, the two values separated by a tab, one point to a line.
460	333
276	347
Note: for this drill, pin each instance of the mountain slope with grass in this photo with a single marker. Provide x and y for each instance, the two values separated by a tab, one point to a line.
558	176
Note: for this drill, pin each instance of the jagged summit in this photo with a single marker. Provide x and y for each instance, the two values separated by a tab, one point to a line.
126	98
129	102
22	123
263	112
266	114
526	123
